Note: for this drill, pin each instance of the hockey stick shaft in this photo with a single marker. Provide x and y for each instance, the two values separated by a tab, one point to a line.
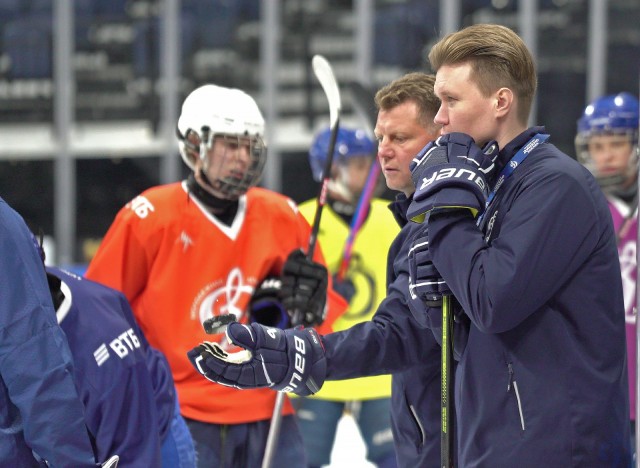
323	71
446	433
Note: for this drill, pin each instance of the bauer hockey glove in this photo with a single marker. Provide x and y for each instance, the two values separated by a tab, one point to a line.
424	280
291	360
304	289
265	306
451	172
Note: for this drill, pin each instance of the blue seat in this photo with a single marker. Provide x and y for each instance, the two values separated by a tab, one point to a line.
401	32
27	42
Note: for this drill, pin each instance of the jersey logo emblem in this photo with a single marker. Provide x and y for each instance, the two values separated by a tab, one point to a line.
101	354
228	295
186	241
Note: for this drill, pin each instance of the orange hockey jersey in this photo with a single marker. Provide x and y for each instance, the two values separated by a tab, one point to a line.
178	265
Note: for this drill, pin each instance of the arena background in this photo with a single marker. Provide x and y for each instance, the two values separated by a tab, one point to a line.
90	89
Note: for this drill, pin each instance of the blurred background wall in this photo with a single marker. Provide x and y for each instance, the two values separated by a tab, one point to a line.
90	90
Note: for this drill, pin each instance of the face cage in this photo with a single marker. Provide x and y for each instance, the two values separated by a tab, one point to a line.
236	184
614	182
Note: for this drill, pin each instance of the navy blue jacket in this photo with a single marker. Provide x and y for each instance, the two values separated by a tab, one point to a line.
39	406
125	385
393	342
542	379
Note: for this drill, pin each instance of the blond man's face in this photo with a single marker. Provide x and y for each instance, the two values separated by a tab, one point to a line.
463	106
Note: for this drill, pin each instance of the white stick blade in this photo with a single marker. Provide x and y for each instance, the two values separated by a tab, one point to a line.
324	73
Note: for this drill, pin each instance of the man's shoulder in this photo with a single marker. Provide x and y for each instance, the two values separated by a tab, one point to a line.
155	203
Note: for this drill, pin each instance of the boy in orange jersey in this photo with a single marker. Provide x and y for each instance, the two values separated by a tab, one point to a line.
186	252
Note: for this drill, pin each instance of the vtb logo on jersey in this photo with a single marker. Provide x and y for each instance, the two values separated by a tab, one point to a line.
122	345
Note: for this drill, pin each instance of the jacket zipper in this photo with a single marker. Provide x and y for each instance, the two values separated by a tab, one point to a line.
517	393
417	420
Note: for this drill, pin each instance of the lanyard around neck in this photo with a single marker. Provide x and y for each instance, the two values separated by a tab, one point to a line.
511	166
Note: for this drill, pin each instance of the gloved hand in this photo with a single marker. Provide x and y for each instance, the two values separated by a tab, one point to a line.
424	280
452	172
291	360
304	289
344	287
265	306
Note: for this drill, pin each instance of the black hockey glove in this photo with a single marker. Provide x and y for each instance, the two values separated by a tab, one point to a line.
291	360
452	172
424	280
266	307
344	287
304	290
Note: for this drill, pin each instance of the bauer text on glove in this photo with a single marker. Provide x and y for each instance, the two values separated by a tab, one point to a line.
451	173
291	360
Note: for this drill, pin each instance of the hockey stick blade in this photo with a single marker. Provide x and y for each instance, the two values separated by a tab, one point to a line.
218	323
323	71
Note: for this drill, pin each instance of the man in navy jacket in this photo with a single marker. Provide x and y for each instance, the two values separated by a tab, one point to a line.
125	384
525	243
40	410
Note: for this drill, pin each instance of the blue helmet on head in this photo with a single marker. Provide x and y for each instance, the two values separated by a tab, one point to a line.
611	114
617	115
349	143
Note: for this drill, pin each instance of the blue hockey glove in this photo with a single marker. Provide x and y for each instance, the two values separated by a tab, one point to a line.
265	306
304	289
291	360
424	280
451	172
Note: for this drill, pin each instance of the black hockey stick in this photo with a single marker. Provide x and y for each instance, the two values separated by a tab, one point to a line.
327	79
446	432
323	71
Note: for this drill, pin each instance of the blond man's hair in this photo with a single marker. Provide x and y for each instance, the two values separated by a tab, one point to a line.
415	87
499	58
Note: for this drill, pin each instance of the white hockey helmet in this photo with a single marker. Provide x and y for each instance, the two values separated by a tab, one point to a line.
212	111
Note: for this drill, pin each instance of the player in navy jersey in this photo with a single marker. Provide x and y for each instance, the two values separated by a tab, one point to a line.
126	386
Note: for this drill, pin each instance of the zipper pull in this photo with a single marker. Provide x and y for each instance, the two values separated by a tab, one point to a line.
510	376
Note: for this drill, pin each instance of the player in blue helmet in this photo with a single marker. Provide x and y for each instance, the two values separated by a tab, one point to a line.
362	284
607	143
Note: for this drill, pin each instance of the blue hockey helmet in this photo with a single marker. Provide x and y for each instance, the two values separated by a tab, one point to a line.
349	143
611	114
616	114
